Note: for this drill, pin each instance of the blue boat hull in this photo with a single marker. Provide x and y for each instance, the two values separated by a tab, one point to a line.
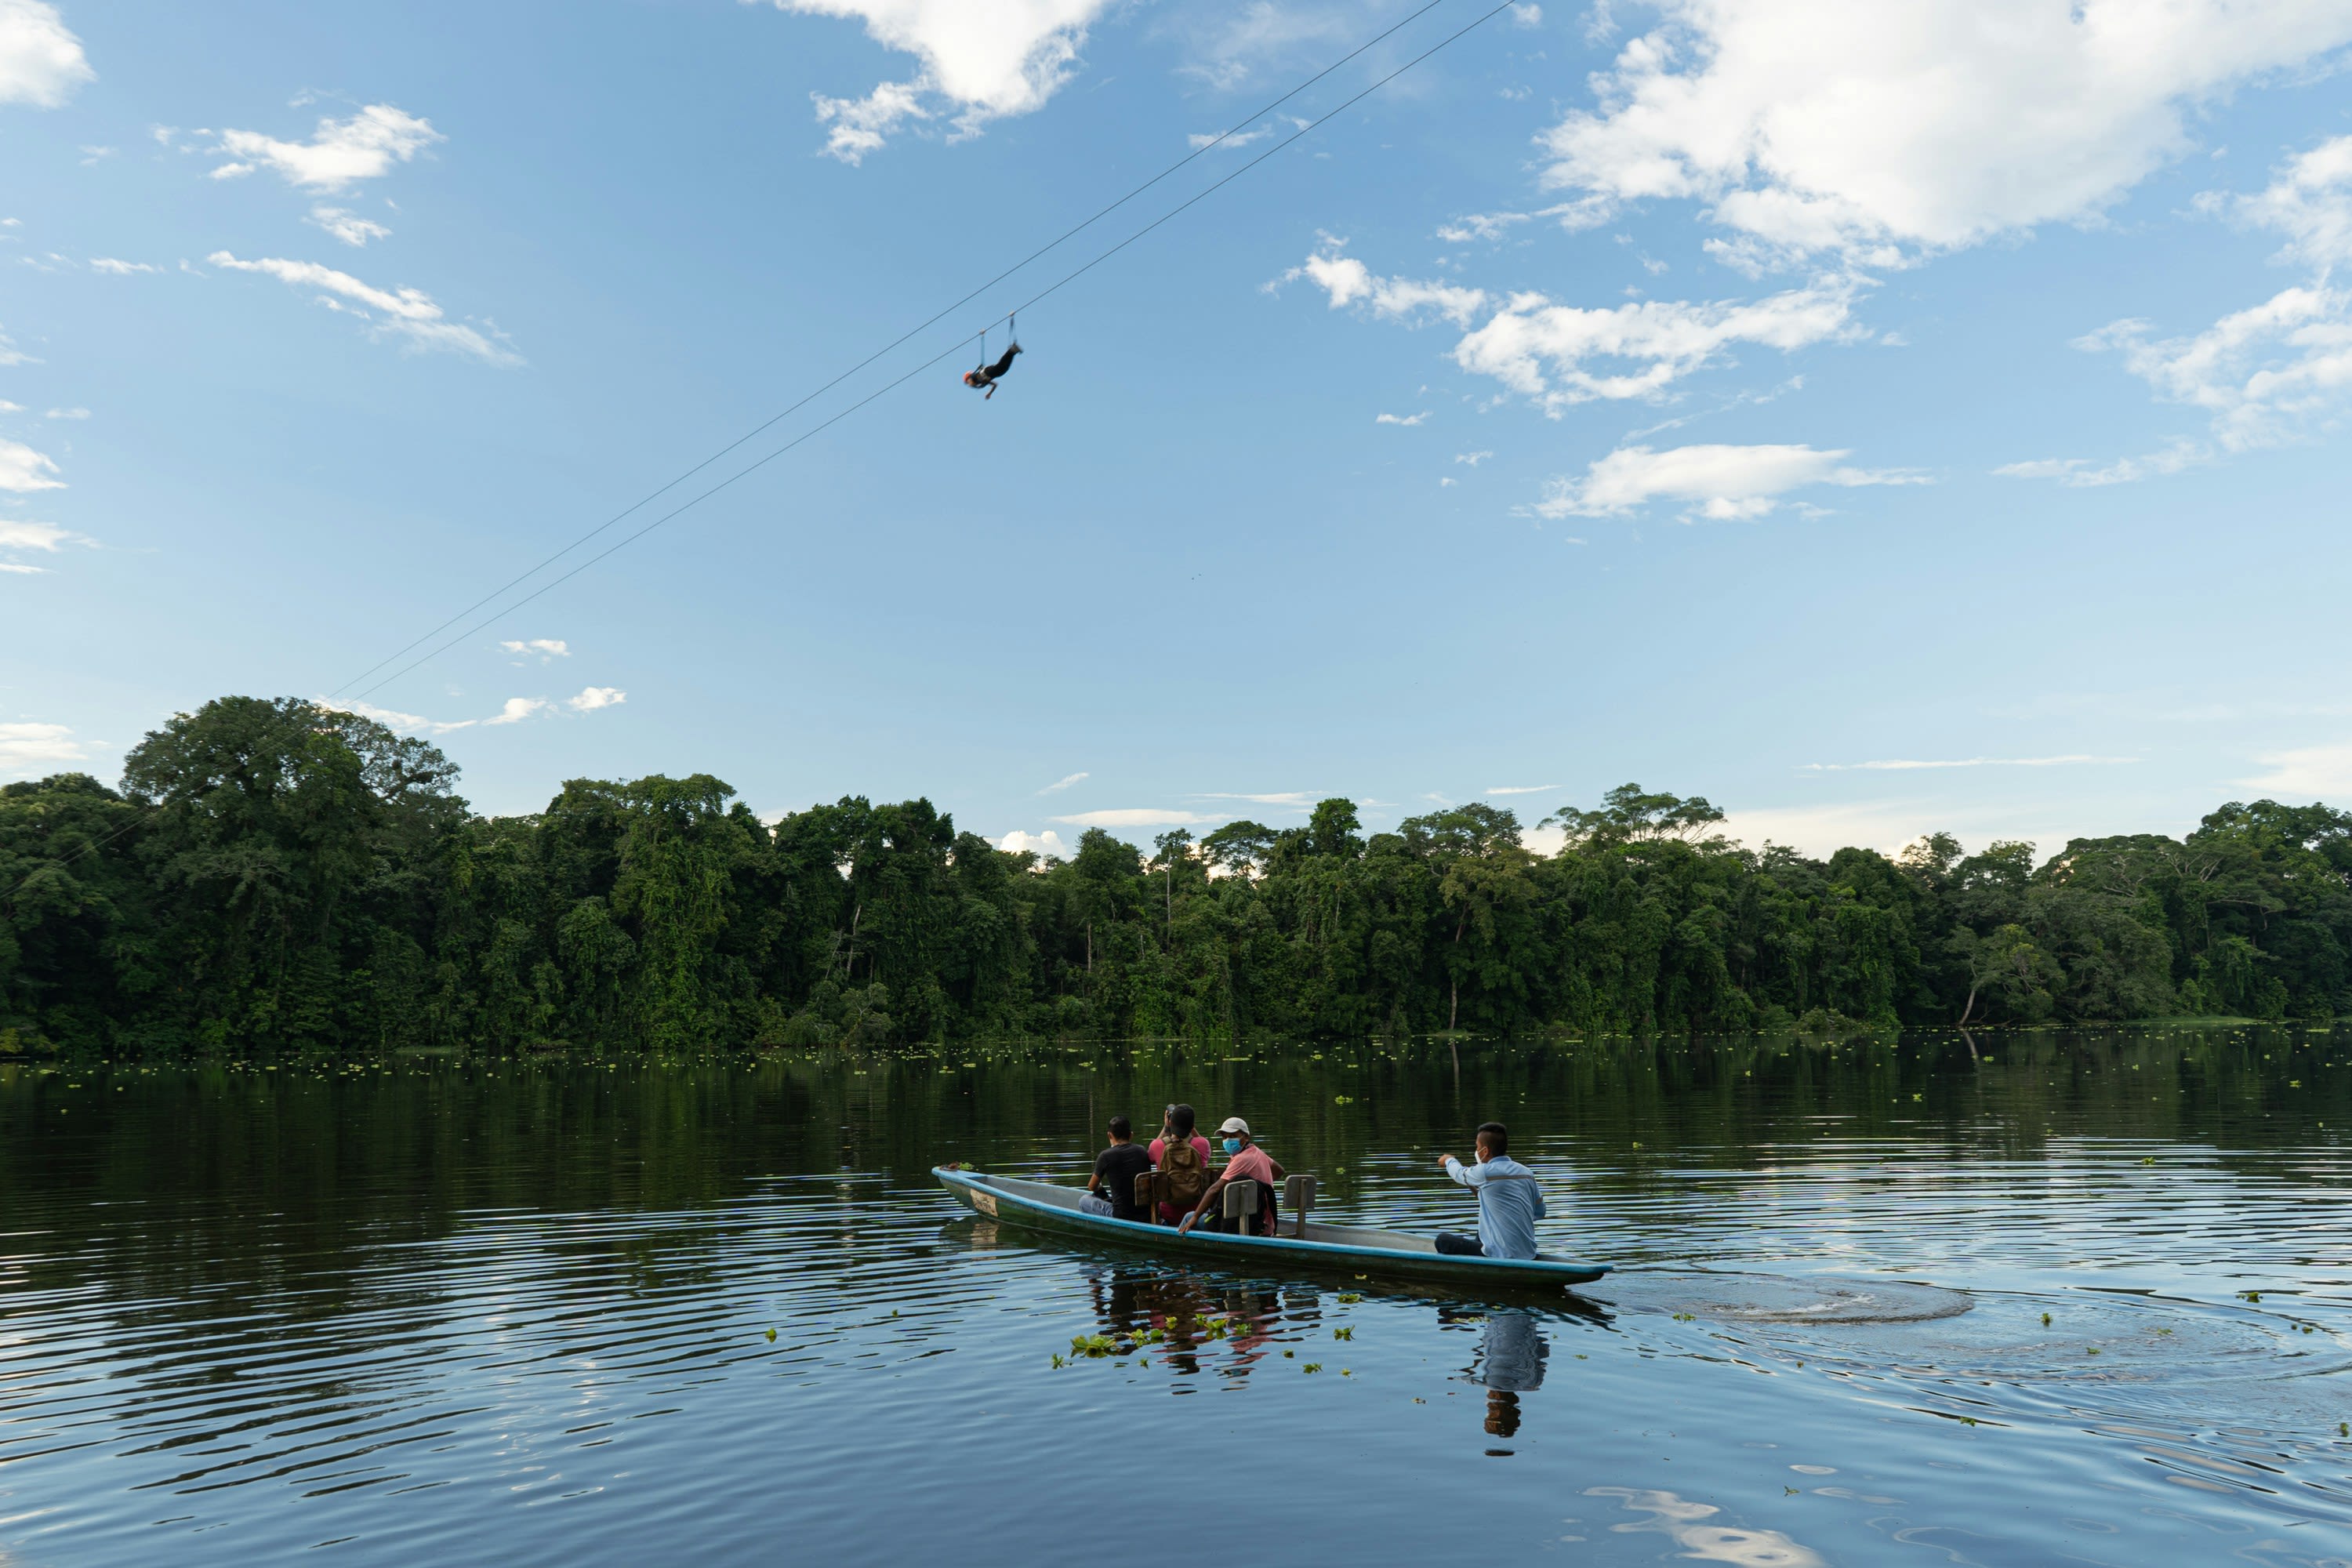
1045	1206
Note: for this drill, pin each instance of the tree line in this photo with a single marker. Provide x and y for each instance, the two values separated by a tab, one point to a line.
273	874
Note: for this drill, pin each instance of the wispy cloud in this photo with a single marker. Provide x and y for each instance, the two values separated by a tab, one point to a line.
27	748
1349	282
1297	797
1063	783
547	648
407	313
340	153
1472	460
594	697
24	470
2307	771
1520	789
1726	483
1405	419
116	267
67	414
2082	473
1905	765
515	710
18	535
1137	816
347	225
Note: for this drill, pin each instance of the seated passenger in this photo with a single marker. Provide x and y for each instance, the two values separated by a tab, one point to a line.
1245	1160
1110	1191
1509	1201
1181	1157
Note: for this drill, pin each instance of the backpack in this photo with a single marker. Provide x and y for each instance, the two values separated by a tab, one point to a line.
1183	1175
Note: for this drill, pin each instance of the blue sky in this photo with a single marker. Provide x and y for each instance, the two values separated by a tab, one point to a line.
1874	418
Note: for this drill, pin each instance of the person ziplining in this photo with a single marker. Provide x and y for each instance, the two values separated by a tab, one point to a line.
984	377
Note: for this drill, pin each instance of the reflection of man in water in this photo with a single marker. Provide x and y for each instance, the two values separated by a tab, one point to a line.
1510	1362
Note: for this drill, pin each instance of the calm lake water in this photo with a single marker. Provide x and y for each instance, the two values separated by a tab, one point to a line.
2086	1300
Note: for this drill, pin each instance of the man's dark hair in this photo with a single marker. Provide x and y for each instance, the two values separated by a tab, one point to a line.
1120	1127
1179	1121
1495	1136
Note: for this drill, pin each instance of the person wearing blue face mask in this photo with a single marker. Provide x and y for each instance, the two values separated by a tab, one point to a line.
1245	1160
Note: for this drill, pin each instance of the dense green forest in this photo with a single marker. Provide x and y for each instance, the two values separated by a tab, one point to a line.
272	874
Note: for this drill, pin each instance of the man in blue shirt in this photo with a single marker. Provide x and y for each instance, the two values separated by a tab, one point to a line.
1509	1201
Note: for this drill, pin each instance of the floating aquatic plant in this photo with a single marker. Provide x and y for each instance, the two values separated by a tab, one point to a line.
1348	1333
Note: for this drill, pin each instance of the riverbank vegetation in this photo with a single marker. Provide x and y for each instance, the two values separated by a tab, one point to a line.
271	873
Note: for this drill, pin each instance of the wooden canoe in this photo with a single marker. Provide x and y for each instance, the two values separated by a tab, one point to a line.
1356	1249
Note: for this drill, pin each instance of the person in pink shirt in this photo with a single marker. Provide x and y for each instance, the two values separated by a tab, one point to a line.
1176	1127
1245	1160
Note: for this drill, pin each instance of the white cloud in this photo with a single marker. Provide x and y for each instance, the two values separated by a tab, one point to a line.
41	62
1048	843
1061	784
547	648
18	536
340	153
29	749
519	708
1873	130
24	470
2275	371
1349	282
1472	459
1520	789
409	313
592	697
347	225
119	267
1563	354
1259	35
984	59
1407	420
2082	473
2307	771
1299	798
1137	816
19	569
1905	764
2309	201
67	414
11	355
1727	483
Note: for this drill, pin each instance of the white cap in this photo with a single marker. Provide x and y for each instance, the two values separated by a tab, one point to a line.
1235	1124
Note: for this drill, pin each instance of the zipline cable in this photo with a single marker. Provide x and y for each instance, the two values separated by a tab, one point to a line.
1065	235
1055	286
957	347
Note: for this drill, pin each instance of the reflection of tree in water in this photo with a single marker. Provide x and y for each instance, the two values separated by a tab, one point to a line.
1183	1313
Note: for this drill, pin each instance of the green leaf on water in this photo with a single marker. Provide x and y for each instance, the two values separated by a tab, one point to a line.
1348	1298
1312	1366
2250	1295
771	1336
2046	1319
1348	1333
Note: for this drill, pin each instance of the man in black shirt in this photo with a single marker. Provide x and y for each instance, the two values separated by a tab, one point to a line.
1110	1191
